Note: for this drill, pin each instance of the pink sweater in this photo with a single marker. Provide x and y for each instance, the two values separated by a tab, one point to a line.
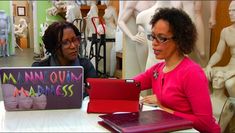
184	90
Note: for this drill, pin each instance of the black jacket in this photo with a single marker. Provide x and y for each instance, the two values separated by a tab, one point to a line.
89	70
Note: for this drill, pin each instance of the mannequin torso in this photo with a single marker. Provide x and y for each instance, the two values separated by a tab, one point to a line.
3	22
73	11
143	20
110	18
93	12
127	24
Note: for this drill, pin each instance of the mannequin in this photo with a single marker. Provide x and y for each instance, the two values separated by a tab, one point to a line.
226	40
212	19
73	12
222	107
144	28
194	10
134	52
93	12
110	18
21	28
90	29
119	33
4	31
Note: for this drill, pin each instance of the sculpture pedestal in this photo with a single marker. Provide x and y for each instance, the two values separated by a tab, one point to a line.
22	42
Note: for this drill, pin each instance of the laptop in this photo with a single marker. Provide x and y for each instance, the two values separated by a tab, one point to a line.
145	121
34	88
113	95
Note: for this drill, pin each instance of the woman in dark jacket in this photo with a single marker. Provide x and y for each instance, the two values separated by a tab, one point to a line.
62	41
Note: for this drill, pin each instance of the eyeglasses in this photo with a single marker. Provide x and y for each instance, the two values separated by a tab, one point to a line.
74	40
158	38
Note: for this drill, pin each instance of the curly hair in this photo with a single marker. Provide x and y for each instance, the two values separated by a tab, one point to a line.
54	34
181	25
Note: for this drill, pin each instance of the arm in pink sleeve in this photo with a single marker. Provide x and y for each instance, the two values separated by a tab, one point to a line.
197	91
145	79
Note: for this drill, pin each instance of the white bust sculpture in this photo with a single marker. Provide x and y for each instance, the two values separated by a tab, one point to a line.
110	18
21	28
226	40
222	107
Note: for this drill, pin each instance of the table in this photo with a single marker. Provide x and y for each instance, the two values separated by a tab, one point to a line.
65	120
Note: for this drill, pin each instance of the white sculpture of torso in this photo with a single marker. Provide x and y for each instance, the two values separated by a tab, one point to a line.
110	18
93	12
143	20
73	12
135	54
3	22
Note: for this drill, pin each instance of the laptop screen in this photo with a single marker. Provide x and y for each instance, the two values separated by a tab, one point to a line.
33	88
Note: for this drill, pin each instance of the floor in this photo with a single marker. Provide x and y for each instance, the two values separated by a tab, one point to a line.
20	59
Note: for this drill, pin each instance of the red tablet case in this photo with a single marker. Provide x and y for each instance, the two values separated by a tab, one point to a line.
113	95
146	121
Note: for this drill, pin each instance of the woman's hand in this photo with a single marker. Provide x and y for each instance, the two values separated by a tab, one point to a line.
208	72
152	99
140	38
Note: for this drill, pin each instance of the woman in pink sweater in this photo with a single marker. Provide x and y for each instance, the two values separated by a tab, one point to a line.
180	85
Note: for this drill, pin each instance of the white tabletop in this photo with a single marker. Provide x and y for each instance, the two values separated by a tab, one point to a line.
69	120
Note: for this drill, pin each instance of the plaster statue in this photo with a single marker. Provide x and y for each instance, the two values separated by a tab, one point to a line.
93	12
194	10
226	40
110	18
212	19
144	28
90	28
4	31
134	52
222	107
21	28
119	33
73	12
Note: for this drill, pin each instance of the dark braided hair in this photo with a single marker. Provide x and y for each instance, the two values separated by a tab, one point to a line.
181	25
54	34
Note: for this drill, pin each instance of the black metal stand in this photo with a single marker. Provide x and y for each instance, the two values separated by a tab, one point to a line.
97	45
